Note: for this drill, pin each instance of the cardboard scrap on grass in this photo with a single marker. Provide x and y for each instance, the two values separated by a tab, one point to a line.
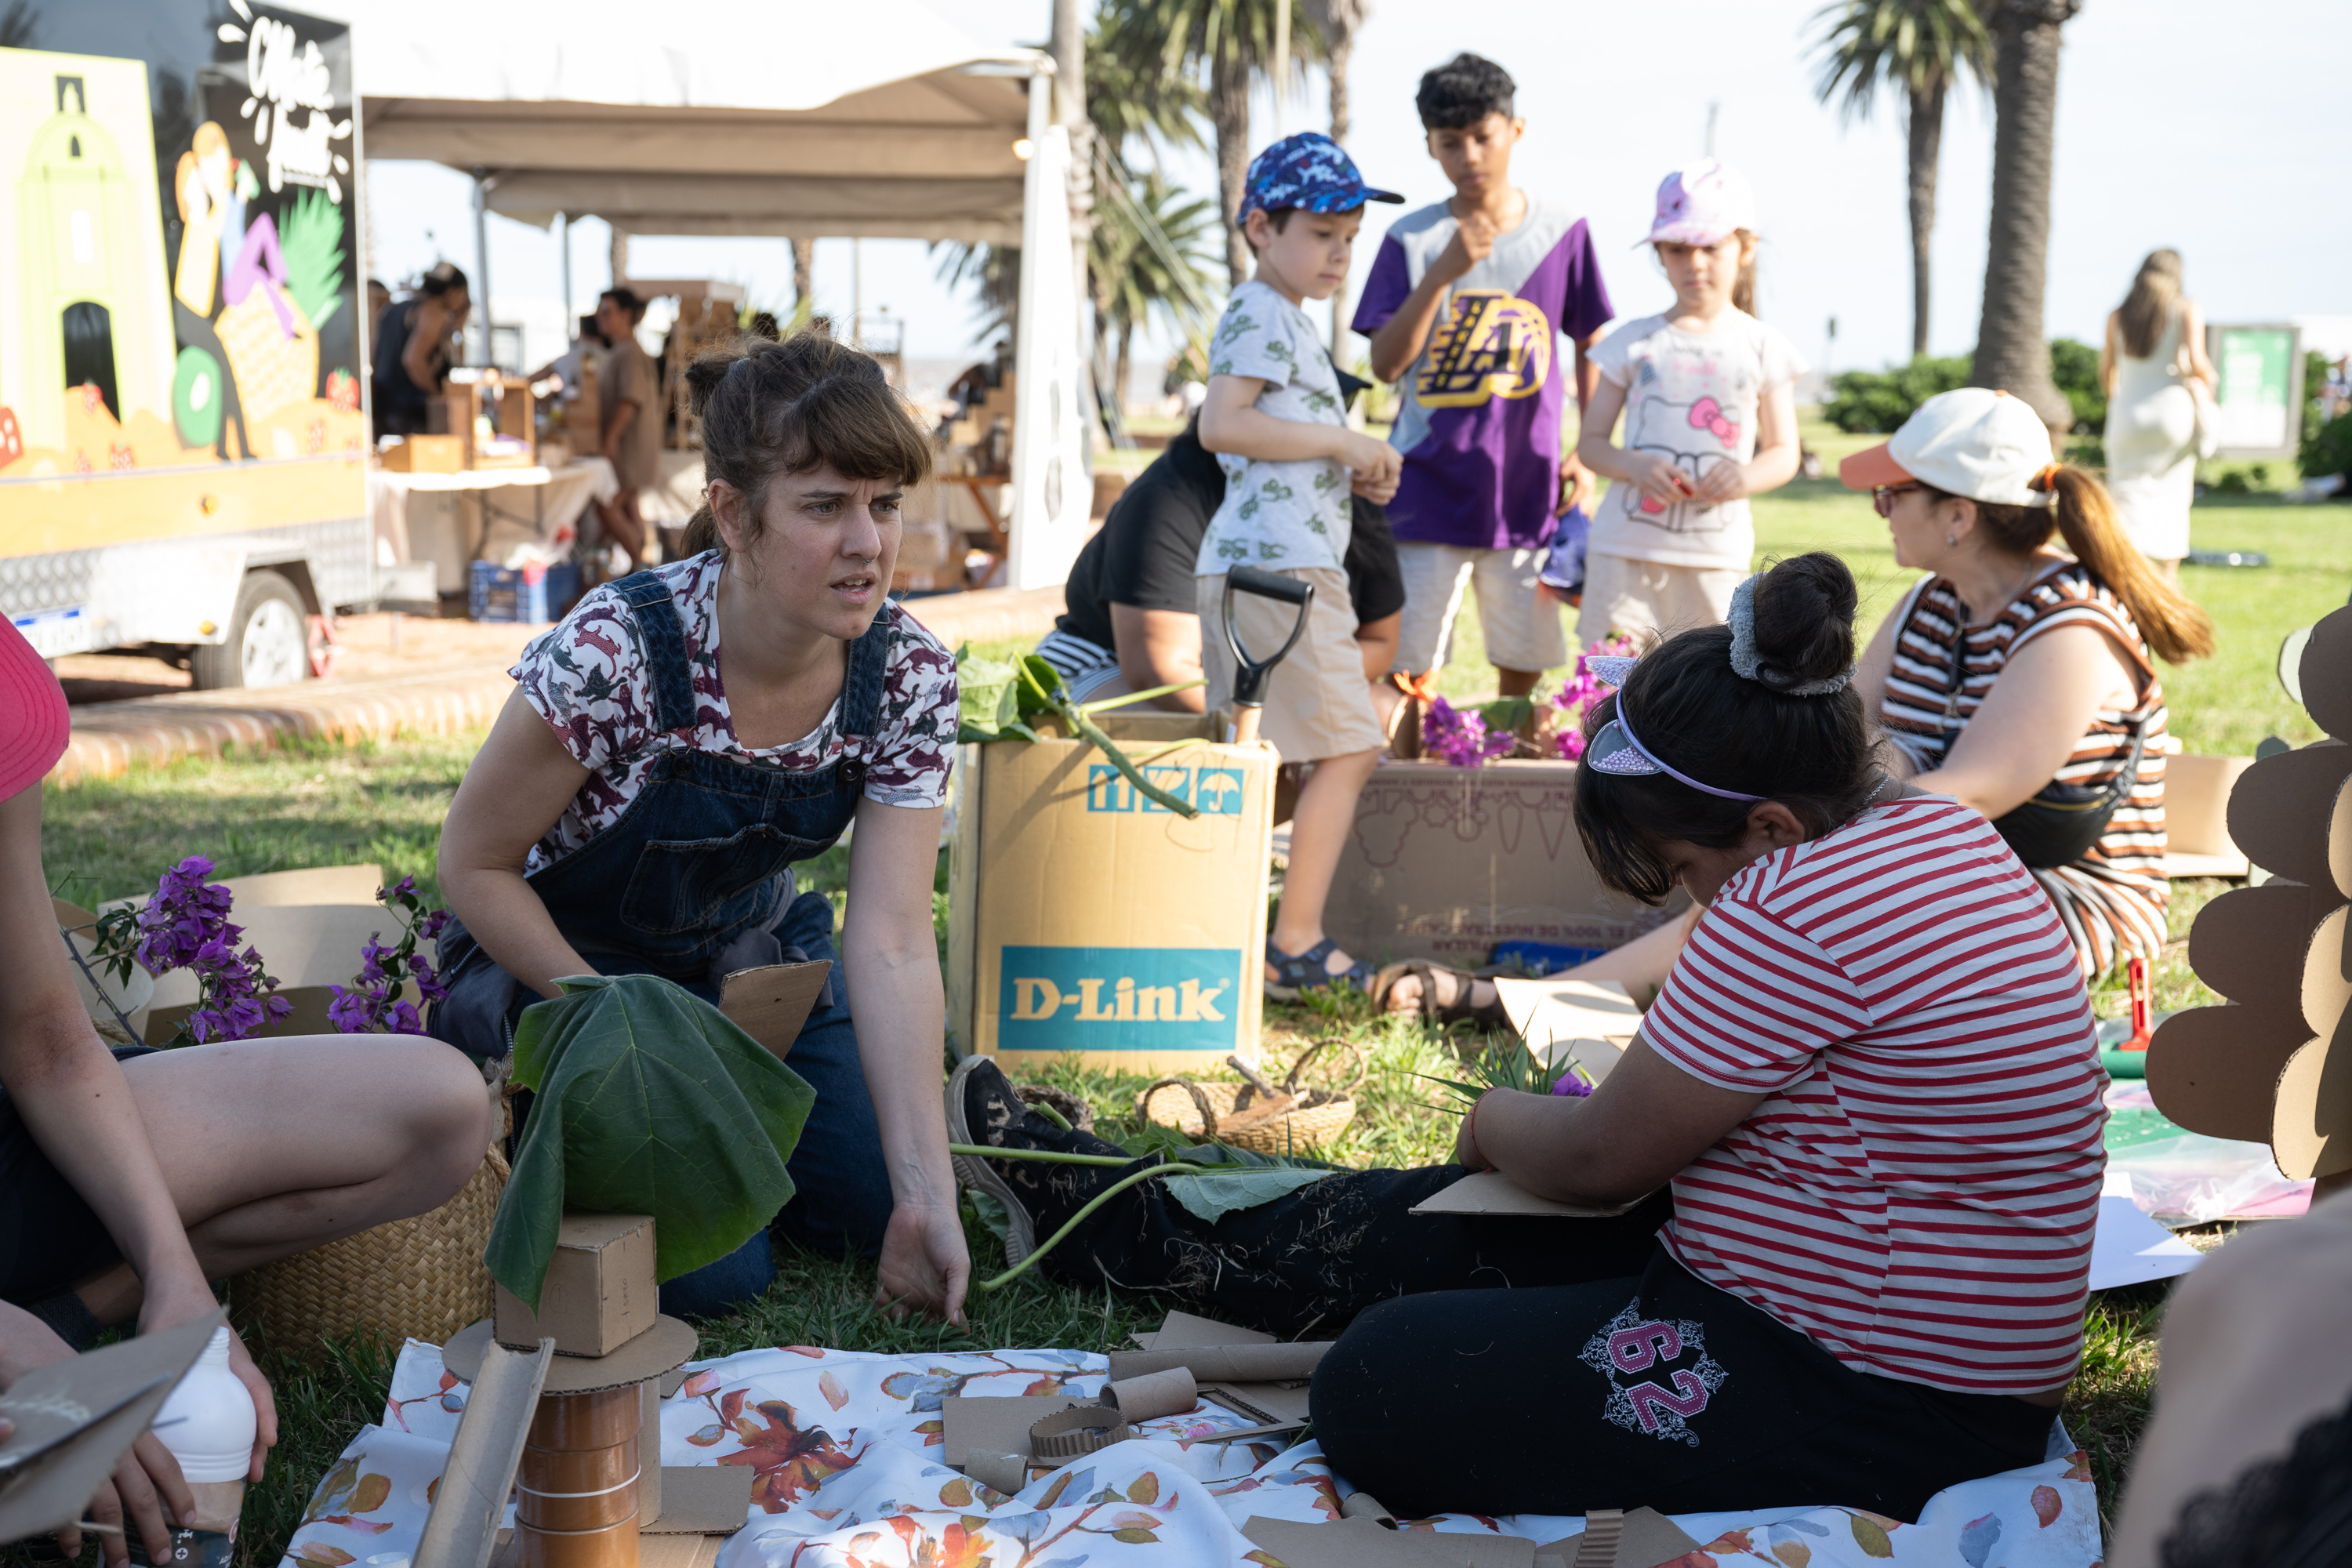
1641	1537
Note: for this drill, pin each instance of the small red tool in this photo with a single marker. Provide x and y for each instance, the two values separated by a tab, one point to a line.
2143	1008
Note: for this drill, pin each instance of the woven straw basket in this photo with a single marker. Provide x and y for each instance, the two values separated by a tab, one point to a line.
1223	1110
415	1279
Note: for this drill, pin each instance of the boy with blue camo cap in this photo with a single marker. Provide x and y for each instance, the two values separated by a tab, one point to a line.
1278	423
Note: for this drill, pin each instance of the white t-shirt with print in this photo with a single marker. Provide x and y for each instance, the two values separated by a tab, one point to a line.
1693	400
1284	517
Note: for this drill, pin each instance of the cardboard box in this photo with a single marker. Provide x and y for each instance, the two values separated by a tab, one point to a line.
1444	862
2196	816
426	455
1088	923
600	1292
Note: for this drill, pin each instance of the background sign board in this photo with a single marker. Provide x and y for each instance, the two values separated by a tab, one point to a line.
2260	397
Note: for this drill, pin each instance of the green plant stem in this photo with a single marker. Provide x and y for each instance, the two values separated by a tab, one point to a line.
1046	1156
1097	1202
1107	703
81	964
1085	729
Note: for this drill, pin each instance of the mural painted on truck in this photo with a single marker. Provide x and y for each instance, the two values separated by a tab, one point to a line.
167	306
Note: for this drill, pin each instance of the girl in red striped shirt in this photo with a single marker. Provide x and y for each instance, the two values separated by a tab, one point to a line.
1860	1129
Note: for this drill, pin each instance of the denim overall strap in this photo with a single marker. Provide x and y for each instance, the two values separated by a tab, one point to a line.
656	612
861	696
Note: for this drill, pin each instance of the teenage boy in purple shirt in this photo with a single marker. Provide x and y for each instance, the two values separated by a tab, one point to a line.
1462	307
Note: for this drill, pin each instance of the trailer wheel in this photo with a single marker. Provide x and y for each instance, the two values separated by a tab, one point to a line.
267	642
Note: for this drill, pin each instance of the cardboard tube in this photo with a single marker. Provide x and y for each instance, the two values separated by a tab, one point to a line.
1155	1393
1226	1364
1006	1473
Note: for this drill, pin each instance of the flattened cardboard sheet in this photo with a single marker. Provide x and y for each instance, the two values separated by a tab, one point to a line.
770	1004
1284	1362
2311	1125
994	1425
2249	945
1491	1192
1367	1544
1637	1538
2213	1069
2339	843
75	1419
2280	812
462	1531
662	1348
1591	1022
2197	817
654	1550
702	1499
1182	1331
317	885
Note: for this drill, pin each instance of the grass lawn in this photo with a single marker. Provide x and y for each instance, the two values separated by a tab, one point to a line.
318	805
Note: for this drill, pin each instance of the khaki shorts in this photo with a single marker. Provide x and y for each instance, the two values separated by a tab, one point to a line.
1646	596
1520	626
1318	702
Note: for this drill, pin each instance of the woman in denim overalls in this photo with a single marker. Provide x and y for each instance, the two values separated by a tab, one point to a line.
634	813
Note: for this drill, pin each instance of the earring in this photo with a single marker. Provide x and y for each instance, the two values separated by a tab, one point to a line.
1952	538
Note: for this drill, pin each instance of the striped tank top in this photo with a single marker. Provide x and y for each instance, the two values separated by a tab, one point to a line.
2112	900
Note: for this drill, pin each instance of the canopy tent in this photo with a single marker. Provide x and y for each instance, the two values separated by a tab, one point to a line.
801	119
793	118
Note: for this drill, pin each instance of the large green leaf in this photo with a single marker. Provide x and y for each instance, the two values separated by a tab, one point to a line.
646	1099
1213	1195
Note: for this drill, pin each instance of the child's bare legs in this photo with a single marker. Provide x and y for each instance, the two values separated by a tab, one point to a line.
1320	825
1641	966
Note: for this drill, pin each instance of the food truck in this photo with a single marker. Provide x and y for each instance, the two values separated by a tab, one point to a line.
183	361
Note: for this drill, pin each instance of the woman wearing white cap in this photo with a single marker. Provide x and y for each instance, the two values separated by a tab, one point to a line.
2019	678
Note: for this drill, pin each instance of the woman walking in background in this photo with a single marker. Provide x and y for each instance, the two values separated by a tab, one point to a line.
2154	349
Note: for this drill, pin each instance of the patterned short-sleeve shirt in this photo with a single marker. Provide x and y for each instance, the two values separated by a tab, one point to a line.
590	679
1287	516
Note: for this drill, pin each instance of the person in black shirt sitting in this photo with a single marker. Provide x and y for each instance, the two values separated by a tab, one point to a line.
1131	625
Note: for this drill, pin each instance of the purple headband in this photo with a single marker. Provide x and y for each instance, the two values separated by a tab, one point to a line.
1632	759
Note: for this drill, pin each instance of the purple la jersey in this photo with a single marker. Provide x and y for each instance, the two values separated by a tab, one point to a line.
1479	425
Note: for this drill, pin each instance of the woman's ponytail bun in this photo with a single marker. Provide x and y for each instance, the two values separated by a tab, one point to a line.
1804	622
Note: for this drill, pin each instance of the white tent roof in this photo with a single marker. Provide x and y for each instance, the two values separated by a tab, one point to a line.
791	117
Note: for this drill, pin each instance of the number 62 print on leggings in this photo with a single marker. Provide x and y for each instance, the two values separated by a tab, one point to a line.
1658	1371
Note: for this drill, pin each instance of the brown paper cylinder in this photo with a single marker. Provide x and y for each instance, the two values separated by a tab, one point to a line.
580	1444
1154	1395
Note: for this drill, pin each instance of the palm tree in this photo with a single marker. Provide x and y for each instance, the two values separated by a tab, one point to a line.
2011	351
1235	38
1924	46
1162	275
1338	21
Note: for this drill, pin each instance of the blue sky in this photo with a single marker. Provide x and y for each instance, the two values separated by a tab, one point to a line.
2217	134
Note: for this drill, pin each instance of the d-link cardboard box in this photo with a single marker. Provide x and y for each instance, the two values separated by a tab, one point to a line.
1087	922
1444	862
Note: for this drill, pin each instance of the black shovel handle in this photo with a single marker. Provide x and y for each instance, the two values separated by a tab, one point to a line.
1249	678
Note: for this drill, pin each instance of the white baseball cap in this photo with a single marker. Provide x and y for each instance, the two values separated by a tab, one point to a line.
1971	441
1703	205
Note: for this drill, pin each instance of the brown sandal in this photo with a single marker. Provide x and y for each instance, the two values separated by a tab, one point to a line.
1456	1009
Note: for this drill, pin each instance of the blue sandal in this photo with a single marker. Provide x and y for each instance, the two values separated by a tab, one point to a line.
1305	972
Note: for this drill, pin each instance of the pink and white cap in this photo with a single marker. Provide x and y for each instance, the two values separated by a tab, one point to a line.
1703	205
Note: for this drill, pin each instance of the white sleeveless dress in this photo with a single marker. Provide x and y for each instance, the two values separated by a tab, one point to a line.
2151	444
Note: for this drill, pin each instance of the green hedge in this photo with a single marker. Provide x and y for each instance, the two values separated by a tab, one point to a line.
1876	402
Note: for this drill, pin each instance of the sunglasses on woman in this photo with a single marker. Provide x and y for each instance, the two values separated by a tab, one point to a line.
1882	497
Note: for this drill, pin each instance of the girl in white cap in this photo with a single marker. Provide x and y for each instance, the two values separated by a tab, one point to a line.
2019	678
1708	396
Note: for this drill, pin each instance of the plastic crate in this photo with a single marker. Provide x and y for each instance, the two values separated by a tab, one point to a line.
533	595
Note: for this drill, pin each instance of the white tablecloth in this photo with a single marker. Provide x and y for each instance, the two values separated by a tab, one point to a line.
454	520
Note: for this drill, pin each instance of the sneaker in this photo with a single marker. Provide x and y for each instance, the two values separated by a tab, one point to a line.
981	1108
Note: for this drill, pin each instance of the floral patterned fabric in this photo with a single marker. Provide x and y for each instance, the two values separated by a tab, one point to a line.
590	679
845	1449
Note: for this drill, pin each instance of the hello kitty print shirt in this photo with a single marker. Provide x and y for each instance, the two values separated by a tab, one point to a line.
1692	399
1282	517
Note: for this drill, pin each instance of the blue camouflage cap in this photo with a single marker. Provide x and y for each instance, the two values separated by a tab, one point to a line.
1310	172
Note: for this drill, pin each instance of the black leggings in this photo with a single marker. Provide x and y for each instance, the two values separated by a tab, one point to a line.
1526	1365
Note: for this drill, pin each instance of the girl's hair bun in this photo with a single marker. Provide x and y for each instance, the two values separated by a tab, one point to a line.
1804	621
